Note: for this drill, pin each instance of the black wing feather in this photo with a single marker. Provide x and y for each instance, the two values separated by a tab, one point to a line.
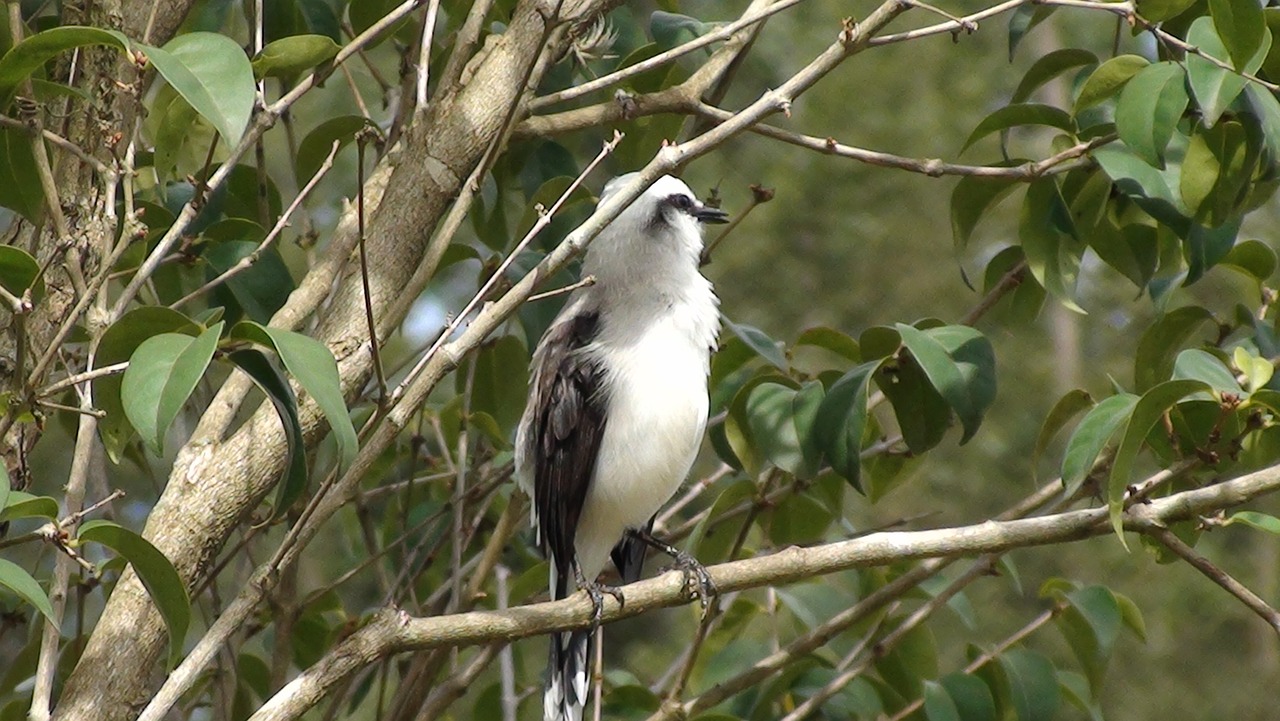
568	429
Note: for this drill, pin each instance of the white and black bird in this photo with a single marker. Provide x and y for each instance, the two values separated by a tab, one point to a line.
617	409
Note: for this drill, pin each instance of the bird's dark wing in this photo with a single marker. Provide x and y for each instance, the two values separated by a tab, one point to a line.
567	427
628	555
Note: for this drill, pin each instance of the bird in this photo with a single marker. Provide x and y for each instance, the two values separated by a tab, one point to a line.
617	409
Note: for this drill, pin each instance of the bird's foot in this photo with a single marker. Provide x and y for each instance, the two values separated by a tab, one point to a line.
596	591
696	578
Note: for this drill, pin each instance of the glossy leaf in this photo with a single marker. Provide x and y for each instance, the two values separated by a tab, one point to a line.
1215	88
1020	114
1146	412
157	574
290	56
18	271
1150	107
1049	67
960	364
17	580
1267	109
1091	436
764	346
840	421
27	56
1242	27
1196	364
1108	79
211	71
162	374
273	383
258	291
671	29
832	340
19	504
313	366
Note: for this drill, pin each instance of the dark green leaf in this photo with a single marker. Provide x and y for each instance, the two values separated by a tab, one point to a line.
923	414
1161	342
1049	67
832	340
162	374
27	56
1161	10
972	196
971	697
1023	20
157	574
1108	79
211	71
500	383
1215	88
315	147
1150	107
1146	412
1048	241
14	578
256	292
671	29
1242	27
290	56
18	190
24	505
1090	624
1021	114
764	346
312	365
1091	436
840	422
273	383
938	705
1254	257
1067	407
1267	109
1140	180
1033	685
18	270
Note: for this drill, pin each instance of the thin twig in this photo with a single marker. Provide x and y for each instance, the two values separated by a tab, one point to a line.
375	345
1228	582
424	53
61	385
586	282
98	166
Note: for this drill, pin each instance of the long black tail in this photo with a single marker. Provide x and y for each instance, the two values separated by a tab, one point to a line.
569	676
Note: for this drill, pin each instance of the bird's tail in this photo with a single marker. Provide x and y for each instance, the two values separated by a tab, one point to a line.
568	664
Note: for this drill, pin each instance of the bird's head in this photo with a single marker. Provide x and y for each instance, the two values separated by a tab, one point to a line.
669	201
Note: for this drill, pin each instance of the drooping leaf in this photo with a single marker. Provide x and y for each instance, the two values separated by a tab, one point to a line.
1090	624
1068	407
256	292
1020	114
1091	436
972	196
764	346
1216	88
17	171
162	374
1023	21
1161	341
1049	67
16	579
1242	27
27	56
841	419
1049	241
212	72
1033	685
960	364
313	366
157	574
1150	106
272	382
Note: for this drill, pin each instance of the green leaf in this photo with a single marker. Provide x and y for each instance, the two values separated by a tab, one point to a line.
313	366
1146	412
832	340
155	571
1091	436
1108	80
1161	341
1090	624
1253	519
798	519
922	413
972	196
1196	364
1216	88
24	505
256	292
938	705
1242	27
1161	10
14	578
273	383
971	697
118	344
1048	241
1033	685
18	191
315	147
162	374
212	73
772	415
1023	20
1200	169
290	56
1021	114
1254	258
27	56
671	29
173	132
1267	109
1067	407
1140	180
18	271
500	382
1150	107
764	346
840	421
1049	67
1131	615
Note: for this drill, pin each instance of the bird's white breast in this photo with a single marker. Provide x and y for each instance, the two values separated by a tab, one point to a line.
657	412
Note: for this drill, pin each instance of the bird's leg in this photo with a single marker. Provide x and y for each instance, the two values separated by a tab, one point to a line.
596	591
696	576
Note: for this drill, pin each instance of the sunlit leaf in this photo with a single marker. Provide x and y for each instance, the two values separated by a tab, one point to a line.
14	578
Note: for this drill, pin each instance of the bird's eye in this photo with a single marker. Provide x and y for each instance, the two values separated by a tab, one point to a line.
681	202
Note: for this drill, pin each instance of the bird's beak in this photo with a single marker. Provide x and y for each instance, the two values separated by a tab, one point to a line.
707	214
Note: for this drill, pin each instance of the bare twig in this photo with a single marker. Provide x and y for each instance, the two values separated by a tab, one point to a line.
73	380
1211	571
586	282
98	166
424	53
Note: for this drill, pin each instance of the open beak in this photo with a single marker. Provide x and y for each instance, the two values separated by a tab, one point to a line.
707	214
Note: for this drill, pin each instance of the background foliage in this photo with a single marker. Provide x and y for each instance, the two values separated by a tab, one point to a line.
1104	260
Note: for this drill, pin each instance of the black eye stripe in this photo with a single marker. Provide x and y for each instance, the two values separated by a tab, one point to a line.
680	201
